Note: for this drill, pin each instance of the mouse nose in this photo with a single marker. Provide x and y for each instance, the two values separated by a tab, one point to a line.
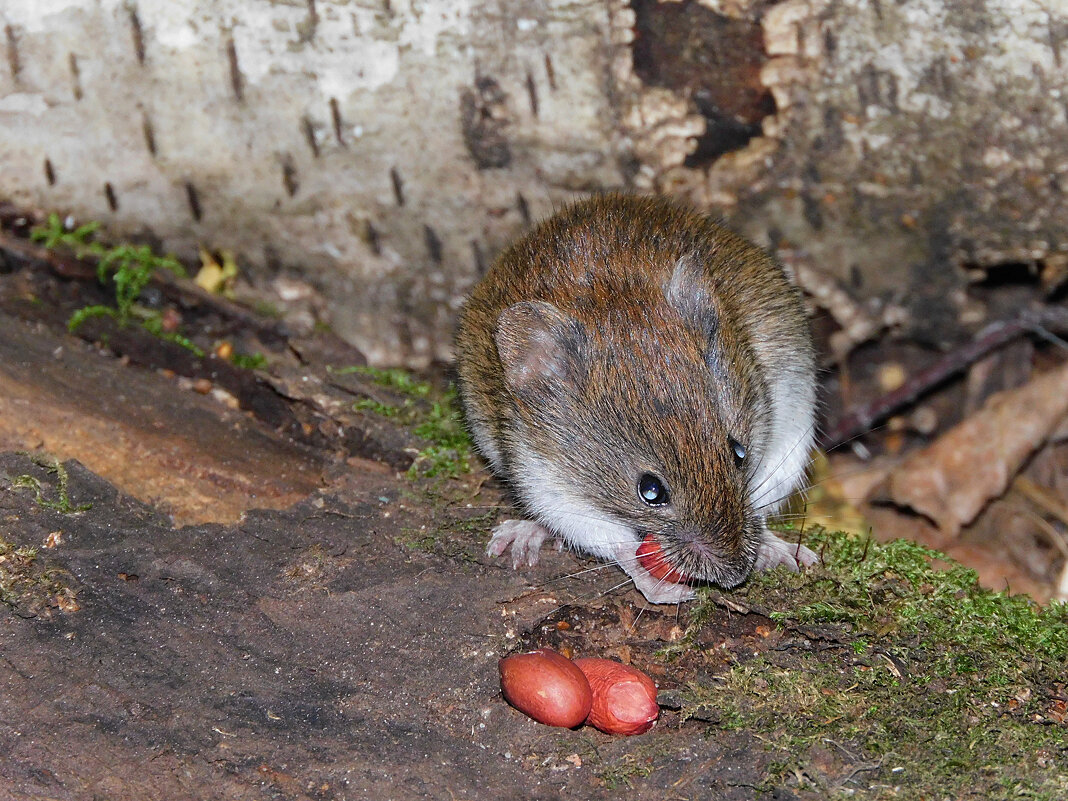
713	557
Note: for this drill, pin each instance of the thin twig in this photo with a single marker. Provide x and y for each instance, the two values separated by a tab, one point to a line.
990	338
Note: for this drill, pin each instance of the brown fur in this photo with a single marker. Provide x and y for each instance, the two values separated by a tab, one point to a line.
662	342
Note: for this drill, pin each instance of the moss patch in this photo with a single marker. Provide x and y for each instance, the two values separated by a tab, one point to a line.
457	530
623	773
62	502
431	413
29	588
893	677
128	270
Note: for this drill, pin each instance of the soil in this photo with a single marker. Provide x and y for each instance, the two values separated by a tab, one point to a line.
309	653
341	645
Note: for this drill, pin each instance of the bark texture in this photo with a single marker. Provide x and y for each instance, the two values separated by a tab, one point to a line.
389	149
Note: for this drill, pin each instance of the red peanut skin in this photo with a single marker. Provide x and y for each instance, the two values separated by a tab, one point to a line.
652	559
547	687
624	698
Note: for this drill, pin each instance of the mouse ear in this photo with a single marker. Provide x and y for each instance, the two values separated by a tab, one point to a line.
688	291
538	344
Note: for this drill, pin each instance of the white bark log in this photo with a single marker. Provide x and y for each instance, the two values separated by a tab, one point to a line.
388	148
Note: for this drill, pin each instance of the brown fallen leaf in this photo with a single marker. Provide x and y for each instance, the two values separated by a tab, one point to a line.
951	480
998	573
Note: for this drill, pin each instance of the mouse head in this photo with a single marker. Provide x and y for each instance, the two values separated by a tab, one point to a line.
642	412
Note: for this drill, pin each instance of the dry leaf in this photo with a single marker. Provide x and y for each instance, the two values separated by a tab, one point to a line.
217	275
951	480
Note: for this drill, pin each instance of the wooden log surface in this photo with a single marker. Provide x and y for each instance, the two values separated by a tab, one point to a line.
385	151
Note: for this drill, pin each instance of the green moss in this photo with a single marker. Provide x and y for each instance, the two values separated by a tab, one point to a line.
440	540
421	540
392	378
893	593
265	308
55	234
927	675
28	586
458	530
457	537
623	772
153	323
376	407
249	361
128	269
62	502
87	313
431	414
450	451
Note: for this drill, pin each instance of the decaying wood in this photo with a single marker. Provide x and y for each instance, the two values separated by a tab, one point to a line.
299	401
188	454
858	323
951	480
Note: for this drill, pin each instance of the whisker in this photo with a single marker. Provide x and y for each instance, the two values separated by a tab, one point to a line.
810	462
583	572
815	484
641	612
806	436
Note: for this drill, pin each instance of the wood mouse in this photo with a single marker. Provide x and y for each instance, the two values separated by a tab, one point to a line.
631	368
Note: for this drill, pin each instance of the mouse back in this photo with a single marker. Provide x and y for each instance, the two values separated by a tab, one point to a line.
629	359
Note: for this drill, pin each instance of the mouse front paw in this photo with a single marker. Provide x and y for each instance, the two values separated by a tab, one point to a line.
656	590
525	538
774	551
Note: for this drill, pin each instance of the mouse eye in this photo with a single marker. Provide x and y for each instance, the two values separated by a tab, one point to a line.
652	490
739	450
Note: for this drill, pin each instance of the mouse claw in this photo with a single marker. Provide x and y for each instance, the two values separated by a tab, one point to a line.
774	552
525	538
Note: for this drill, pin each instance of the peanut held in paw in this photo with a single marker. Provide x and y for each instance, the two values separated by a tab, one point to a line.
547	687
651	557
624	698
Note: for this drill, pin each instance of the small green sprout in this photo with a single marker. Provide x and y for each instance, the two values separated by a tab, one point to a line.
436	420
62	504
